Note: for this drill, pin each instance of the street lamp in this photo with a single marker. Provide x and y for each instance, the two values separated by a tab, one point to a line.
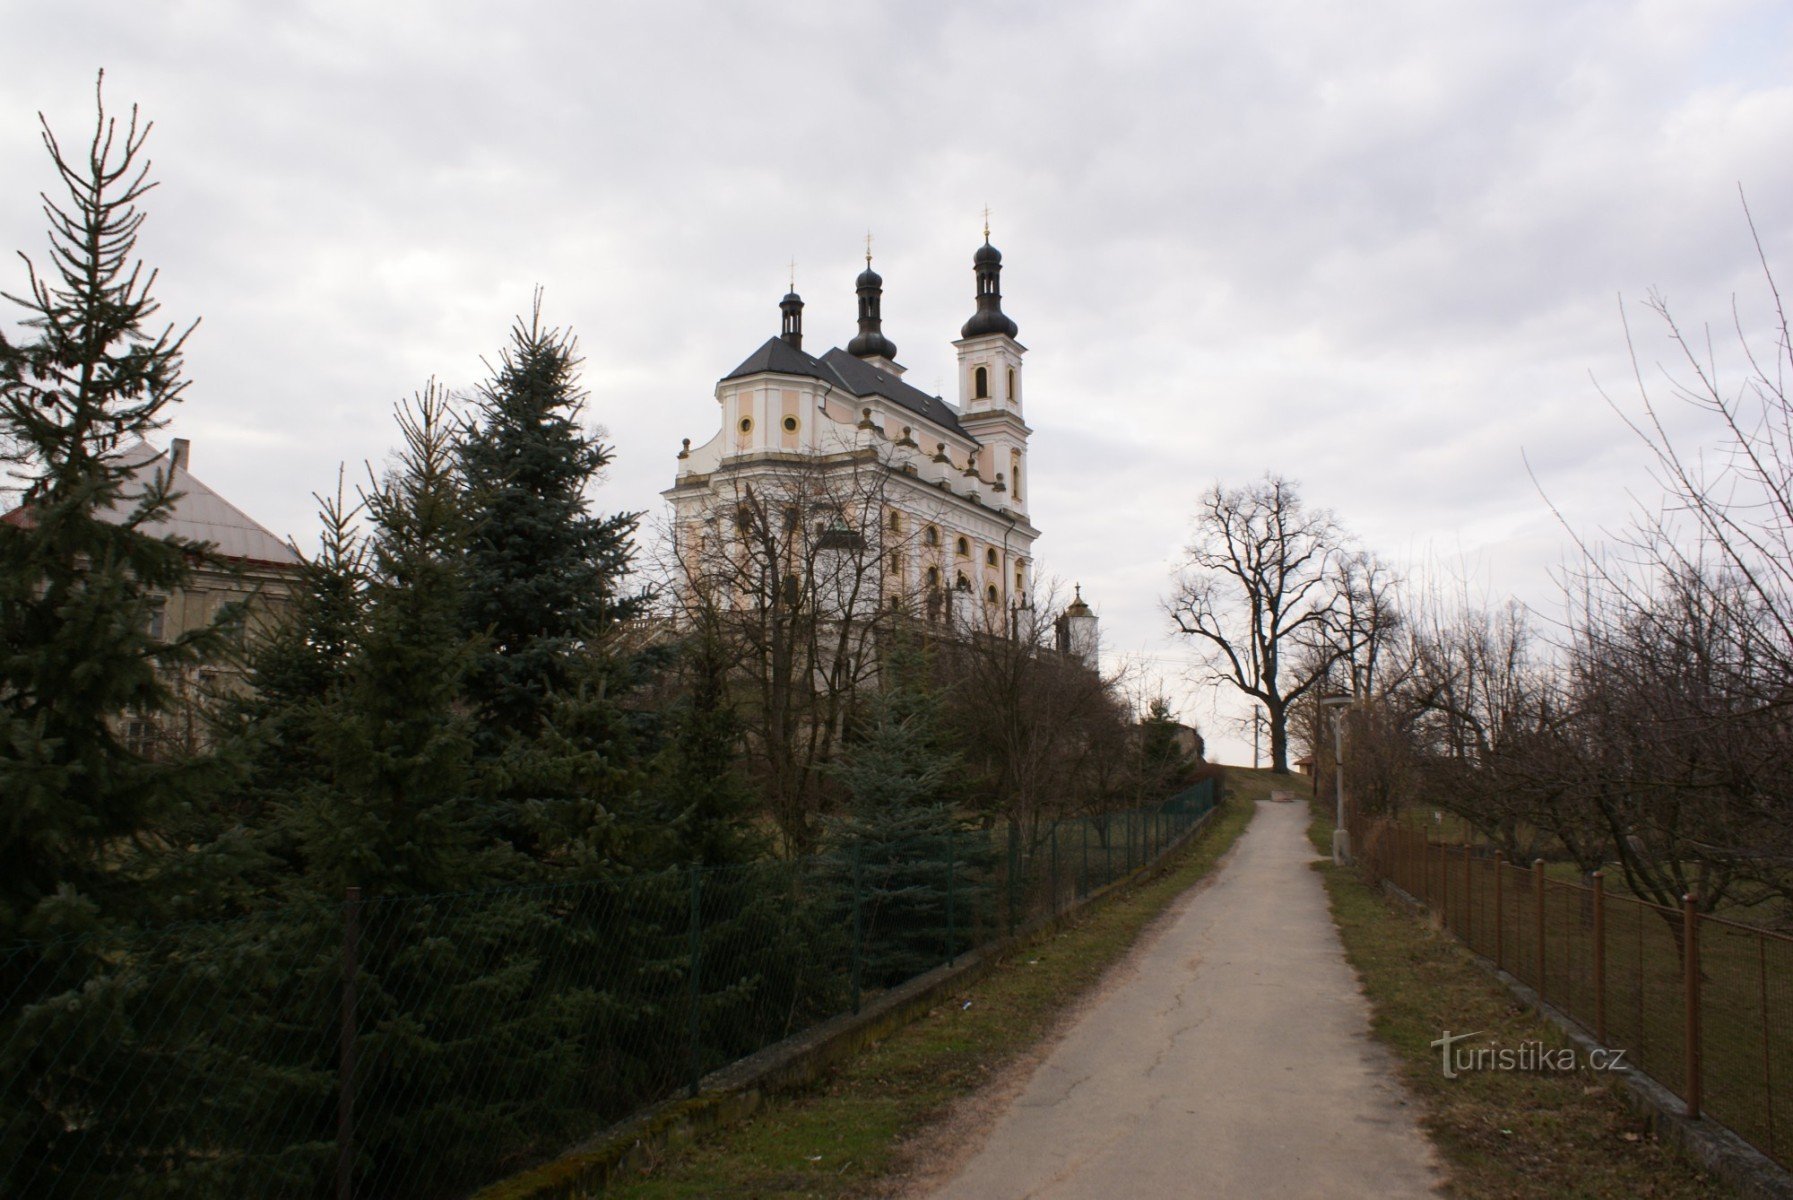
1341	840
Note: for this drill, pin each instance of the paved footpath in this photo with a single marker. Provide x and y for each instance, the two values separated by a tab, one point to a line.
1231	1059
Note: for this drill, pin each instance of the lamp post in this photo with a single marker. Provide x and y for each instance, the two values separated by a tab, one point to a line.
1341	840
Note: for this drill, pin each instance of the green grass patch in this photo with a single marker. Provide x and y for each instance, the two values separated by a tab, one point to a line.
845	1137
1509	1135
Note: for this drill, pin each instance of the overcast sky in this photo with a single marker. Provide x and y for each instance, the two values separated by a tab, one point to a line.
1376	247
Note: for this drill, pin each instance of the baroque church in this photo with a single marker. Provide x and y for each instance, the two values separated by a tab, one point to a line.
943	484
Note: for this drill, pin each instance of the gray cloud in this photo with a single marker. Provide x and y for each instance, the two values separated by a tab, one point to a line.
1374	247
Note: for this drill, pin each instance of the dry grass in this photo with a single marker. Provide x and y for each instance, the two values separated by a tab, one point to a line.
1504	1135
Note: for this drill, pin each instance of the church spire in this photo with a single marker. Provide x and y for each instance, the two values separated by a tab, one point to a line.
989	317
870	341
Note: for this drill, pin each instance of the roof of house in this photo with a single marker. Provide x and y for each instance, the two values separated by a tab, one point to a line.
198	514
851	374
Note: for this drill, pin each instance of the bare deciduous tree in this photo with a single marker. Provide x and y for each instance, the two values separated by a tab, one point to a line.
1260	579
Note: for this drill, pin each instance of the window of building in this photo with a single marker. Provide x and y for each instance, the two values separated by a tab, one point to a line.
1011	382
746	424
932	536
965	547
158	619
1020	581
790	424
980	382
933	578
990	594
964	584
990	556
896	522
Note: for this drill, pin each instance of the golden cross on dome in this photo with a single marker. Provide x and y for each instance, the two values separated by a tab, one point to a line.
868	247
793	274
986	222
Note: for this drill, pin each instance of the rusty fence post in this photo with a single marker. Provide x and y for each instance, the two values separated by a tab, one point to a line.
1468	897
1444	885
1538	919
1500	913
1600	957
345	1076
1690	970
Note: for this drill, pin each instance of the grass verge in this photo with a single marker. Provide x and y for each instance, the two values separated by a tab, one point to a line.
846	1137
1503	1135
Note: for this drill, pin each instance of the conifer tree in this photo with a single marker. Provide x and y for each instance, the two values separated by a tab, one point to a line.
901	830
544	574
77	590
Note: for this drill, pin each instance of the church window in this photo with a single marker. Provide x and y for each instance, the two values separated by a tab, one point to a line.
965	547
990	557
990	594
933	578
980	382
896	522
1020	584
1011	381
746	424
932	536
1017	474
964	584
790	424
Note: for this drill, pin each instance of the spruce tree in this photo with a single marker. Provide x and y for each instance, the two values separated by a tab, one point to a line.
77	590
901	843
545	576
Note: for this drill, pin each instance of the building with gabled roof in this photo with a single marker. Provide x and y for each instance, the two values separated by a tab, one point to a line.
247	565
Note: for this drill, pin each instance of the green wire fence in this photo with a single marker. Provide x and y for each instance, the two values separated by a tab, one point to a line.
422	1046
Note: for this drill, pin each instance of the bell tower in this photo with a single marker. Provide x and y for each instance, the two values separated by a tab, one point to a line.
990	399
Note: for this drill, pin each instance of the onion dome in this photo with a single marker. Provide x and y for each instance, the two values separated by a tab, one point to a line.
989	317
870	341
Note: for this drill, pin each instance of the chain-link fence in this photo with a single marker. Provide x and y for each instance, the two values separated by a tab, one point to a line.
422	1046
1699	1003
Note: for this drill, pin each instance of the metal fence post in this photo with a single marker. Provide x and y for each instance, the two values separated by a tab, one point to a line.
1600	956
1500	912
345	1069
1444	884
1690	969
1538	919
694	983
952	949
1083	870
1014	870
1468	896
858	930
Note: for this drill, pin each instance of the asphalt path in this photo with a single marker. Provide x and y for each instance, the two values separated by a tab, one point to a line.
1229	1057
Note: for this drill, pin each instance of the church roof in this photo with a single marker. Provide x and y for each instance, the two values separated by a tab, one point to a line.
854	375
198	513
863	379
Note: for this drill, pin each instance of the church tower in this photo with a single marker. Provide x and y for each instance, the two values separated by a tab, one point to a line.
990	406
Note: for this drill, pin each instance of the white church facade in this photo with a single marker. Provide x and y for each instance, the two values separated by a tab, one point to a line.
932	493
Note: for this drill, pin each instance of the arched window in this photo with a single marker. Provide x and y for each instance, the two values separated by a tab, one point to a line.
964	547
932	536
980	382
990	594
933	578
964	584
896	522
1011	381
990	556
